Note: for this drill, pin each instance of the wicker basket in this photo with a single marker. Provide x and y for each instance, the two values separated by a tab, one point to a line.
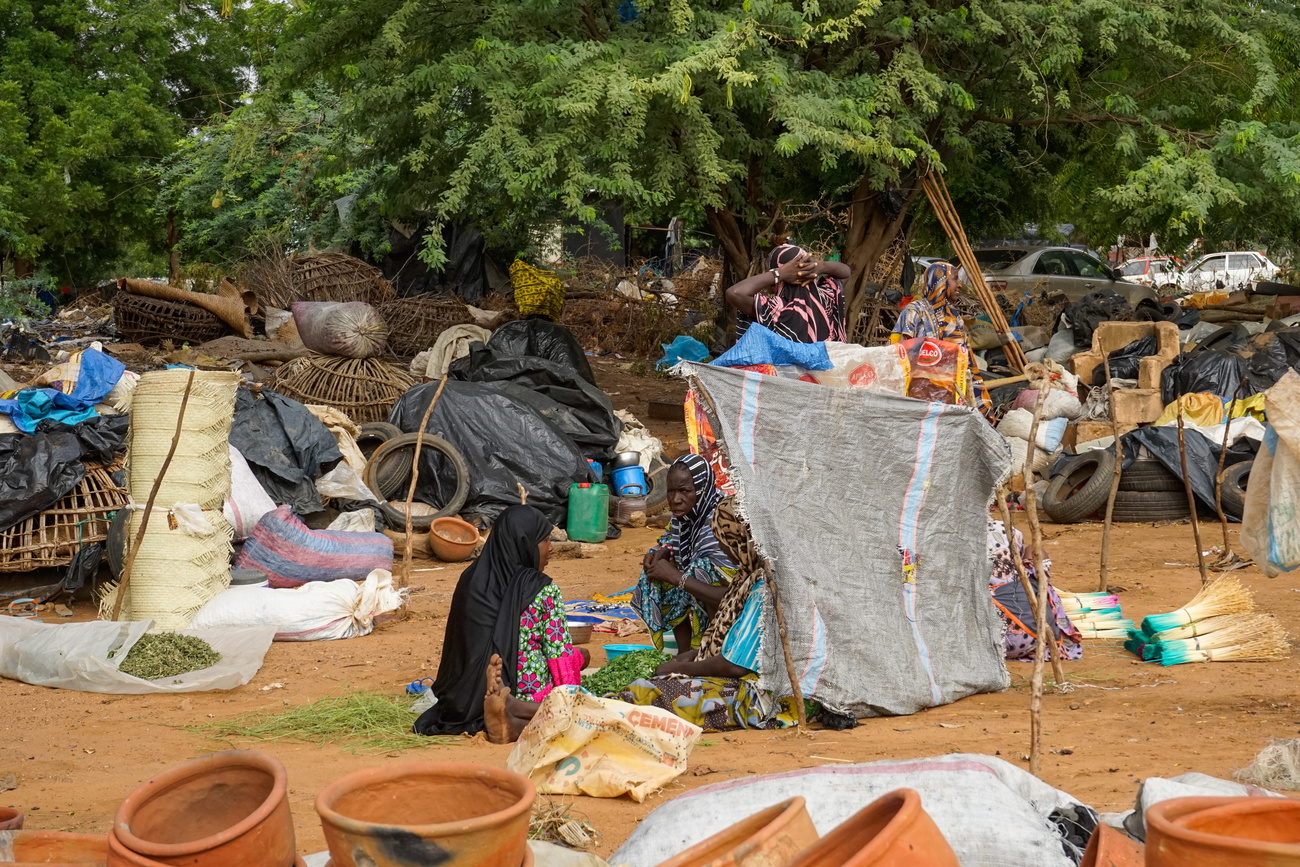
142	319
415	323
318	277
82	517
363	388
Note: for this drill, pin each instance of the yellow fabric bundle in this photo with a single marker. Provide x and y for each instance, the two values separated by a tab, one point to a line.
537	292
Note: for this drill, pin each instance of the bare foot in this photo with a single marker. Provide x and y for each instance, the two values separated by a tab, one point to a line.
496	718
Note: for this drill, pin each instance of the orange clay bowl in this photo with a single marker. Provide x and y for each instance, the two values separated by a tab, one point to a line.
892	831
57	849
452	539
1224	832
769	837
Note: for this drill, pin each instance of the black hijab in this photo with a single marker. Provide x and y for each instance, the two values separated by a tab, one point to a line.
489	600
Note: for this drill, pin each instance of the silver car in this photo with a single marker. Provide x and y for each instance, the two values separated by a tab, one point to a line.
1015	270
1227	271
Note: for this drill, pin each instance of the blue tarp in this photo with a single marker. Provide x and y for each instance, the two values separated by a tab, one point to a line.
98	374
759	345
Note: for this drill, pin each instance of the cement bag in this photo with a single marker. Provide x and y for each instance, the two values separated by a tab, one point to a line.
317	611
248	500
352	329
993	813
76	656
1270	526
1018	422
580	744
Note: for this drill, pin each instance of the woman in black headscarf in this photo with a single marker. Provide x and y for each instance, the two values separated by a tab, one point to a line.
504	608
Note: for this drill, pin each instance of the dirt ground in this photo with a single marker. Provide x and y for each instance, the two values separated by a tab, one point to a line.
76	755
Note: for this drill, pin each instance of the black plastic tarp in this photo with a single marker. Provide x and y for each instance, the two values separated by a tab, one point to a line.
505	441
557	392
1218	373
542	339
1202	455
1090	311
39	469
1270	355
1124	362
286	446
101	437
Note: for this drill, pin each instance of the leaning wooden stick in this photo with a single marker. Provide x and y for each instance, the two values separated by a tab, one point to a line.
795	689
415	477
1218	473
1191	497
1041	610
1103	579
153	495
1017	555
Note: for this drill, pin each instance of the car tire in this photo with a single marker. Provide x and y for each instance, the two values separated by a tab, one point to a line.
1269	287
1144	507
385	474
374	434
656	500
1148	476
1081	488
1232	489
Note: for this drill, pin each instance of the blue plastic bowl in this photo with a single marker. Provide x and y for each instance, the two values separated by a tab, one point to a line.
614	651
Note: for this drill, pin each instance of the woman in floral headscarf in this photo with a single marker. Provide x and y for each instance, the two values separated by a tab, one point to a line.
933	315
686	574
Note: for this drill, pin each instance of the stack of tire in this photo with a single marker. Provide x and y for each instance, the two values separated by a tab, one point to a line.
1147	491
389	453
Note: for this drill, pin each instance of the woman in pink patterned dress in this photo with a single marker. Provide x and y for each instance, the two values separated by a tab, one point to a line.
798	297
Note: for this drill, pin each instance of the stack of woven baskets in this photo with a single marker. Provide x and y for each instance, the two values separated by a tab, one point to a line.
175	572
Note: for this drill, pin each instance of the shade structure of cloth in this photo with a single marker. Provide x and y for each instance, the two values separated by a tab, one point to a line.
880	500
486	609
1013	604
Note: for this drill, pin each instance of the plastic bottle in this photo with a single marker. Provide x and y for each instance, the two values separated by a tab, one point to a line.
588	519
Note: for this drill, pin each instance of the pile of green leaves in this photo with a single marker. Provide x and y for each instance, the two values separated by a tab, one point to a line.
370	721
616	675
168	654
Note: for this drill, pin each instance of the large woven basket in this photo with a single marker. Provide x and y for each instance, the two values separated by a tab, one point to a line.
200	469
318	277
142	319
363	388
415	323
82	517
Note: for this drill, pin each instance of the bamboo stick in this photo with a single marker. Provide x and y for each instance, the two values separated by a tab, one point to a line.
1218	473
1104	577
1017	555
1040	613
153	495
415	477
795	689
1191	499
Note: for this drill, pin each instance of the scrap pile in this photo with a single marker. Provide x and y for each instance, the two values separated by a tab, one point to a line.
1219	625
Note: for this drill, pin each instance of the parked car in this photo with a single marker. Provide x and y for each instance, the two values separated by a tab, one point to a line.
1158	271
1227	271
1074	273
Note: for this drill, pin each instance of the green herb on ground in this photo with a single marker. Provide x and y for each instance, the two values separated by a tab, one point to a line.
168	654
616	675
367	720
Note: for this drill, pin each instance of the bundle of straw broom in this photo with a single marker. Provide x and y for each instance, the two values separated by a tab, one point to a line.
1096	615
1216	626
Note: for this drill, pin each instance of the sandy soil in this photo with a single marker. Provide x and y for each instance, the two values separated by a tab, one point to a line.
76	755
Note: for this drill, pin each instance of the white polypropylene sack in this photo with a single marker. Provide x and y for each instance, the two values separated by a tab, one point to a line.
1017	423
992	813
1020	450
343	483
361	521
316	611
75	656
636	438
248	500
1193	785
1271	523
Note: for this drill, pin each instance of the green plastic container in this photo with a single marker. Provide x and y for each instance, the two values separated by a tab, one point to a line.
588	512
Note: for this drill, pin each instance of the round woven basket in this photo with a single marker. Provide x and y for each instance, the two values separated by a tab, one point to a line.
363	388
142	319
318	277
415	323
53	537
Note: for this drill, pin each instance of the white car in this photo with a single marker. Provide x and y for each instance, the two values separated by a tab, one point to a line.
1227	272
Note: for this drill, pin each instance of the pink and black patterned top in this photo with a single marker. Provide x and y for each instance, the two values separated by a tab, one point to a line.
807	314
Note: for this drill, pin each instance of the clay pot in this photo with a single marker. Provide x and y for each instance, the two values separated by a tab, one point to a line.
1225	832
769	837
220	809
452	539
1110	848
415	813
10	819
57	849
892	831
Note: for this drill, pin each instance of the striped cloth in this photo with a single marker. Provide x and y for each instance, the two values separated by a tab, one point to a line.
291	554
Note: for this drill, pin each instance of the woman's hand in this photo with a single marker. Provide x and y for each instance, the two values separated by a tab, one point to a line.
649	559
664	570
673	666
792	271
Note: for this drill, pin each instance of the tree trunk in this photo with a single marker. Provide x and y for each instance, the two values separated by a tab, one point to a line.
872	228
173	253
23	268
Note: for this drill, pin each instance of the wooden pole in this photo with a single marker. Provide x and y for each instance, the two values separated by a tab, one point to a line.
1218	473
415	477
1191	497
941	203
795	689
1103	579
153	495
1045	632
1017	555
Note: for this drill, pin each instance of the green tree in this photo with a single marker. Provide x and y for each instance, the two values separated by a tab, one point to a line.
1100	111
92	96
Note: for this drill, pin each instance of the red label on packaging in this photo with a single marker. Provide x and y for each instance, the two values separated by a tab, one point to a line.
862	376
929	354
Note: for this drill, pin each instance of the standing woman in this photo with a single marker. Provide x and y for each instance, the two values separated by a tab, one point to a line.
504	608
799	297
686	574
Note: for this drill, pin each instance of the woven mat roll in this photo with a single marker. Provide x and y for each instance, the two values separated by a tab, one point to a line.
200	470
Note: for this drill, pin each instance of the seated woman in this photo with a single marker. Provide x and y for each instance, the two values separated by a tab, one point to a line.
504	608
933	315
685	575
716	685
1012	602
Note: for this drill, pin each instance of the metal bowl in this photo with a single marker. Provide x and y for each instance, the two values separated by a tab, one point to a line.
626	459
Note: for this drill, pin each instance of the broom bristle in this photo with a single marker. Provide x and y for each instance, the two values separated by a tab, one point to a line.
1265	649
1225	596
1200	627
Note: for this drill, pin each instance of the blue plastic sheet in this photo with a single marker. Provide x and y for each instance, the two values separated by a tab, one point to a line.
96	378
682	348
760	345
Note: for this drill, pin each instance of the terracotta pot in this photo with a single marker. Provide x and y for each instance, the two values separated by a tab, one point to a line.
220	809
768	838
1110	848
58	849
414	813
1225	832
10	819
892	831
452	539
